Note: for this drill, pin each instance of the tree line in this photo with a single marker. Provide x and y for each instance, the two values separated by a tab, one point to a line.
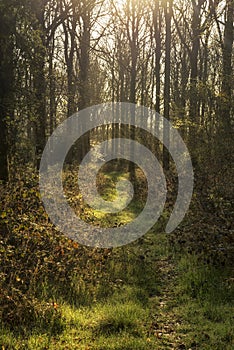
61	56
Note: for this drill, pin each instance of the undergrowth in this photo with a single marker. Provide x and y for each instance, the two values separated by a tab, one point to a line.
155	293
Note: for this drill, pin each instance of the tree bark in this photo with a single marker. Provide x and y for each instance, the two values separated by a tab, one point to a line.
84	66
6	89
193	96
167	90
227	73
38	69
158	53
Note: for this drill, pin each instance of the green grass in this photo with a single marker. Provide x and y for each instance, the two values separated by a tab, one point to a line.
197	307
204	302
145	296
107	189
115	320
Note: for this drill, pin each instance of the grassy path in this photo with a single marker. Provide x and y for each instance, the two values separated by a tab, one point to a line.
148	306
144	296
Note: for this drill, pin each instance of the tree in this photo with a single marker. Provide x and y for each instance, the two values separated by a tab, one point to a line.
157	21
7	83
227	70
38	69
193	96
167	94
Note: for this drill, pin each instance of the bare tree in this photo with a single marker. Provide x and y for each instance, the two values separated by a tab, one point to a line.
167	93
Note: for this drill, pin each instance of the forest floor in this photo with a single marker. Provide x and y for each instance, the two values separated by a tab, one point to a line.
148	295
152	307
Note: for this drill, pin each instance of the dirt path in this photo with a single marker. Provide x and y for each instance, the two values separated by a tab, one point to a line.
166	322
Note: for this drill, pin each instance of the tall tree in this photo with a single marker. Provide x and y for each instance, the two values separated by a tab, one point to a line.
227	69
157	19
70	30
84	63
167	89
7	28
38	69
196	34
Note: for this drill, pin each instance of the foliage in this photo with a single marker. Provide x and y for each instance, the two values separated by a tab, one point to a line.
36	259
151	294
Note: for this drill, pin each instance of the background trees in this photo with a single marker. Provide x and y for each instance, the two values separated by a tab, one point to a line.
62	56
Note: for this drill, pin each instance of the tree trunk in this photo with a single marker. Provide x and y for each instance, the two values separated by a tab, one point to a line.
158	53
6	90
157	19
39	82
227	74
84	65
193	99
132	36
167	90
